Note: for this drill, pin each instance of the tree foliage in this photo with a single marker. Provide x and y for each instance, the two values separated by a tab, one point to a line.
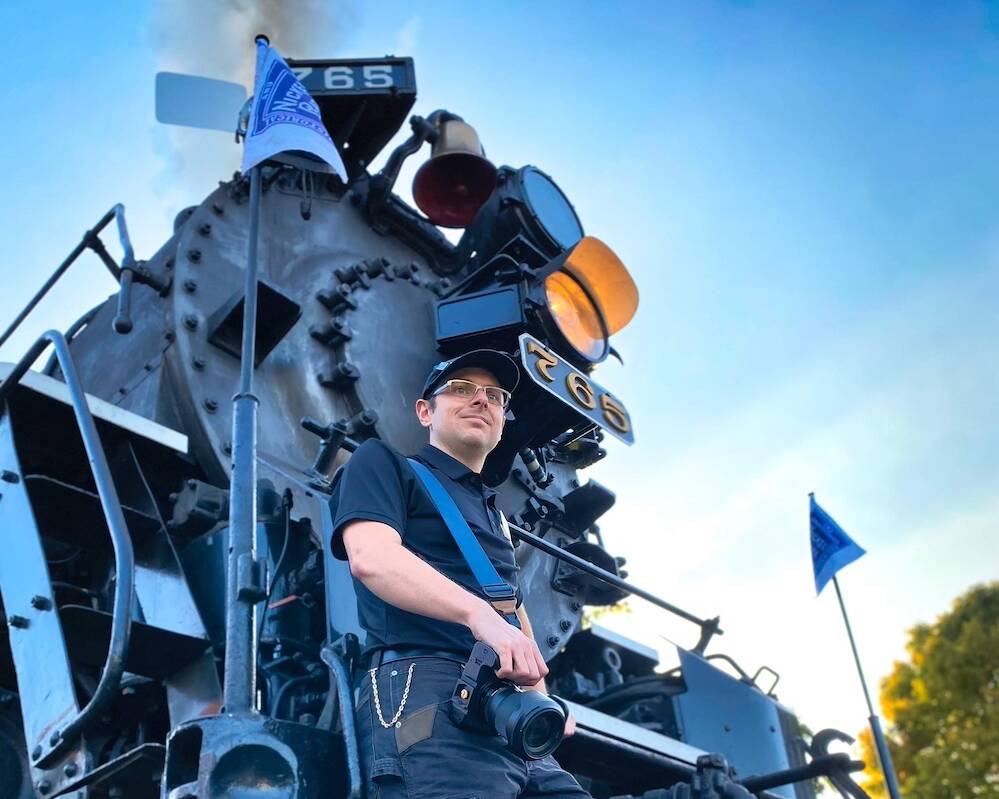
594	613
943	705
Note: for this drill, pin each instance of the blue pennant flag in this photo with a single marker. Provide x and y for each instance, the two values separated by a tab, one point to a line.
285	118
832	548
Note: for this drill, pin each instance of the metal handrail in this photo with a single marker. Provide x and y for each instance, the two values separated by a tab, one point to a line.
121	609
345	700
709	627
92	240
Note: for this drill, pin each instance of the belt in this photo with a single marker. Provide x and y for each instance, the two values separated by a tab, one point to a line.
382	656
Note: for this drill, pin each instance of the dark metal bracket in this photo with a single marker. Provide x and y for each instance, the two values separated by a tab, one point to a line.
332	438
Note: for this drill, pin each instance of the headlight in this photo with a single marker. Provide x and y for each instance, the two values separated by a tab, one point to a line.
590	296
576	315
526	203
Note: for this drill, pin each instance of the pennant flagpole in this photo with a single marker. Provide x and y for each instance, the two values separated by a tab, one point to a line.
880	743
243	581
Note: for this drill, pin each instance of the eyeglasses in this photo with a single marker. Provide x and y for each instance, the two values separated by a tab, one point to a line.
466	389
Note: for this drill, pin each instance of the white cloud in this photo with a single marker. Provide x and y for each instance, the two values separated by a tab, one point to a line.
405	40
721	526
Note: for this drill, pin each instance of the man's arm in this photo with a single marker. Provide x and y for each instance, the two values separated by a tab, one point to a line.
394	574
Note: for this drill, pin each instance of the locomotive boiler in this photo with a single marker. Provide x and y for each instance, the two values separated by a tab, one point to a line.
117	458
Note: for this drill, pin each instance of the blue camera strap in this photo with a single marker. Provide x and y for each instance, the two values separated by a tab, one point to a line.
499	592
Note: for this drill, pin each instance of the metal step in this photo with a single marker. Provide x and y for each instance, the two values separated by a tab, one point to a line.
153	651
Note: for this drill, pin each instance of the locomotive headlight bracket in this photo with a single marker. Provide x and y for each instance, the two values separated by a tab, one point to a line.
571	290
576	301
526	203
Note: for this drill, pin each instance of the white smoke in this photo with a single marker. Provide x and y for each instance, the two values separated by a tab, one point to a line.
214	39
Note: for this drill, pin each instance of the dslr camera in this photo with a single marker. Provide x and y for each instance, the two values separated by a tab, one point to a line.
531	724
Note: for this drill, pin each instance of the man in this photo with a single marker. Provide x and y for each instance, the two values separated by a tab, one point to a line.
421	606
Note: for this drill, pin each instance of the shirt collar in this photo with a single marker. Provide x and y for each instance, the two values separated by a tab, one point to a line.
443	462
453	468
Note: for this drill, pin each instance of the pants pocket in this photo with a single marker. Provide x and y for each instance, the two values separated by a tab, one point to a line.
415	727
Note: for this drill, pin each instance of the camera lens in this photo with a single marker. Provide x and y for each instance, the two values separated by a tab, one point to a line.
543	732
531	723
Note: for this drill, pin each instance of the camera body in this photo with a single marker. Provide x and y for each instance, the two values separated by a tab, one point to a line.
531	724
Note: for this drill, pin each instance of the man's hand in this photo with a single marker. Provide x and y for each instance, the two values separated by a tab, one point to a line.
520	659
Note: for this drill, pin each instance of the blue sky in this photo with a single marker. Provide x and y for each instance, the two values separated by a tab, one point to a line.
804	192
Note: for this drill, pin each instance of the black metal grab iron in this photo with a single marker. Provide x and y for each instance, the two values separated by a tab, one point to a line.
709	627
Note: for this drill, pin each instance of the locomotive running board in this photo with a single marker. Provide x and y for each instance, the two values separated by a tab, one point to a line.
672	755
604	744
101	409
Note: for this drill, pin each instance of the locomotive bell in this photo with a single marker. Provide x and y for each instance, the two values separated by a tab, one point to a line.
453	185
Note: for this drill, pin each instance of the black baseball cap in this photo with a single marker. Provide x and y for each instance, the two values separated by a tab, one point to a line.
500	364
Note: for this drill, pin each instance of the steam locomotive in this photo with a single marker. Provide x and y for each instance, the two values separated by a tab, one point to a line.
117	457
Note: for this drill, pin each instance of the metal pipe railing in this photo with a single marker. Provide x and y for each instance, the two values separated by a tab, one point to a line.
345	701
63	738
90	239
709	627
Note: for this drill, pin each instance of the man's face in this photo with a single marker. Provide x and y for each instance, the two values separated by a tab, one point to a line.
461	423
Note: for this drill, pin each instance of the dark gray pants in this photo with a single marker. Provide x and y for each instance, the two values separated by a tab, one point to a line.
423	755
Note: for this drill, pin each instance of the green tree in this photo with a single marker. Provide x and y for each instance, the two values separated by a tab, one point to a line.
598	613
943	705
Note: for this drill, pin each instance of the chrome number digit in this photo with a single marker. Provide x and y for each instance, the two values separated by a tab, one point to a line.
545	362
615	414
338	78
377	76
302	73
581	390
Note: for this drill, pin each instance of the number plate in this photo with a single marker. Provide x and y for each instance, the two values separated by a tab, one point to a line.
575	389
356	76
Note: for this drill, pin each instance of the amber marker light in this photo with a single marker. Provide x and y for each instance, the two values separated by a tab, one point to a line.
590	297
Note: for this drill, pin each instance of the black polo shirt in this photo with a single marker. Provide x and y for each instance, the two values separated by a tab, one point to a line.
378	484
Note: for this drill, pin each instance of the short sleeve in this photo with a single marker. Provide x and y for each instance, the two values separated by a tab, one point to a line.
370	489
